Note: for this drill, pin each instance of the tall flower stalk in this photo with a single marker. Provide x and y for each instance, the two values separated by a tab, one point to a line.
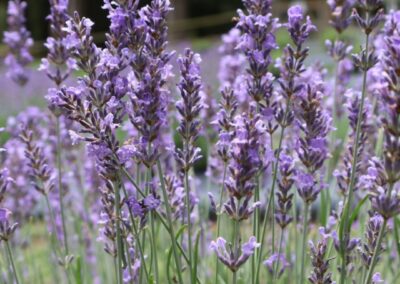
291	68
7	227
58	66
189	108
258	29
240	185
373	14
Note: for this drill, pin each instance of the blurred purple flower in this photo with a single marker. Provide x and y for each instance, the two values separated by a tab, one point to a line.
19	41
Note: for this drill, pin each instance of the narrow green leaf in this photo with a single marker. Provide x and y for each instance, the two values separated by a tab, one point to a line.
78	270
396	233
356	210
196	252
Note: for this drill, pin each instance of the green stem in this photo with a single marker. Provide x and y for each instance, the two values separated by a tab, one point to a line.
119	236
221	195
271	195
236	238
275	271
303	249
154	246
53	225
187	190
170	227
346	212
60	197
11	258
375	254
159	216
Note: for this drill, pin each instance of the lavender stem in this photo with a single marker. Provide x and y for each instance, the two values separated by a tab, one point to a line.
221	196
119	237
275	271
271	196
10	256
59	148
345	216
303	248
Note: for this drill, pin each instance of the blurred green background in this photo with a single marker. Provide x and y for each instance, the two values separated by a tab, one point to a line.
191	18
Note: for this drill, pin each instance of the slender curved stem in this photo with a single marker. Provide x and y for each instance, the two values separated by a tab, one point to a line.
10	256
119	236
303	249
345	216
187	199
276	269
236	238
221	195
60	194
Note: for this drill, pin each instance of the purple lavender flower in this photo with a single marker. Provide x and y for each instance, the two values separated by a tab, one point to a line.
189	108
58	64
176	196
340	14
7	228
320	265
298	30
225	119
149	60
244	165
385	203
349	245
257	42
339	51
275	260
373	14
343	174
19	41
307	187
284	202
259	7
374	226
232	61
314	122
41	174
233	260
5	181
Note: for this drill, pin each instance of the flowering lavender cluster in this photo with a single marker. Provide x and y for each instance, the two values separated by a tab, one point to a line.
19	41
302	156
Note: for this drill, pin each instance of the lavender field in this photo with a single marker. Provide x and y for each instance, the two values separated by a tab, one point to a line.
270	154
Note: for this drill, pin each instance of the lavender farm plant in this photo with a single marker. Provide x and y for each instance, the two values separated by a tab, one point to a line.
121	164
373	14
58	66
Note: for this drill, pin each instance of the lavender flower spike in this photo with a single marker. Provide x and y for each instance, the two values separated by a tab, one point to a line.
298	30
340	13
189	108
233	260
320	265
19	41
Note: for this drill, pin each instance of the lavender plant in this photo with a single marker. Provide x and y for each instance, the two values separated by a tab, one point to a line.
112	166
